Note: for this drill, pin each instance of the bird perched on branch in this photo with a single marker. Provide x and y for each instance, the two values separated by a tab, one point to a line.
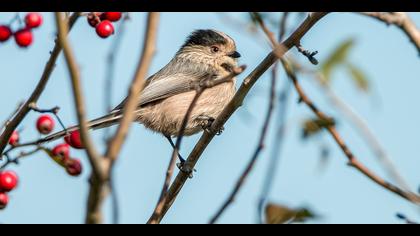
168	93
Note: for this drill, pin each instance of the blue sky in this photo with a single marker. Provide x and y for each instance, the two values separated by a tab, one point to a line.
338	193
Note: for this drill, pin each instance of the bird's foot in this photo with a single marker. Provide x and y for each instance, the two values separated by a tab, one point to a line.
186	168
206	124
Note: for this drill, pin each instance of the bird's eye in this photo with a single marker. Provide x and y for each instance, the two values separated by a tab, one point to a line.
215	49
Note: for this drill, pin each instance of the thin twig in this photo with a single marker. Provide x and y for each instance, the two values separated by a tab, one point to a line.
7	121
258	150
94	157
200	88
365	132
99	187
99	174
16	159
111	64
49	67
412	197
236	102
137	85
402	21
353	161
279	137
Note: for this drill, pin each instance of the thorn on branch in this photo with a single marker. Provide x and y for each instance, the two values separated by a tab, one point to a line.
310	55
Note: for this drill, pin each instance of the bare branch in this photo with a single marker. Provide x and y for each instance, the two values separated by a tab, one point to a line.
402	21
258	149
97	191
200	88
94	157
236	102
332	130
7	121
137	85
364	130
353	161
280	132
16	159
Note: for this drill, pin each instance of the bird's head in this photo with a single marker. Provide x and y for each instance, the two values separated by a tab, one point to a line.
212	45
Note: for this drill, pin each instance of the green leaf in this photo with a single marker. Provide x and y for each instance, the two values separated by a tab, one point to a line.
358	77
278	214
337	57
314	126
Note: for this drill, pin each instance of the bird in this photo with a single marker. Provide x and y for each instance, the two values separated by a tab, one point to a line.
167	94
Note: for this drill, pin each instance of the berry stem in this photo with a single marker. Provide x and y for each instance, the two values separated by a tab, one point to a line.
53	111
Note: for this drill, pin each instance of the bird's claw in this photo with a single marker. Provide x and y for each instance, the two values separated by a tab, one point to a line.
186	168
207	123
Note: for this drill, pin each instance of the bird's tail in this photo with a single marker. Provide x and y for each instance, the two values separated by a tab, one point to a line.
102	122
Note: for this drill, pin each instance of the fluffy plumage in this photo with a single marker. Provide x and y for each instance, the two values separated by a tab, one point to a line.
169	92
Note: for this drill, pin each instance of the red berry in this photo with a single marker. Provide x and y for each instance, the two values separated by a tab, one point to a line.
8	180
4	200
73	167
45	124
33	20
112	16
73	139
104	29
61	150
23	38
94	18
5	33
14	139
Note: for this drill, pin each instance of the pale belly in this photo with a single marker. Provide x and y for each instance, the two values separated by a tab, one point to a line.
166	116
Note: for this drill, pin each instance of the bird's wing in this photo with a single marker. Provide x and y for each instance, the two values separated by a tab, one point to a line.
160	86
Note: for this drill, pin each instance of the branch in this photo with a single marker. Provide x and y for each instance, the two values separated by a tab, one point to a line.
200	88
258	149
16	159
332	130
236	102
137	85
21	114
7	121
365	132
109	79
94	157
280	132
402	21
98	190
96	193
353	161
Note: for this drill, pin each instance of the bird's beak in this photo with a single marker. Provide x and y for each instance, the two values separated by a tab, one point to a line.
235	54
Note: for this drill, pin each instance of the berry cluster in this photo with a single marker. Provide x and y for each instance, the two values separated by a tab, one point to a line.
102	22
60	153
8	182
23	36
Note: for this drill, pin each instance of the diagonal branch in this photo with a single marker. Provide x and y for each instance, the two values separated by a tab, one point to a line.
49	67
353	161
365	131
99	186
258	150
402	21
236	102
200	88
94	157
137	85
